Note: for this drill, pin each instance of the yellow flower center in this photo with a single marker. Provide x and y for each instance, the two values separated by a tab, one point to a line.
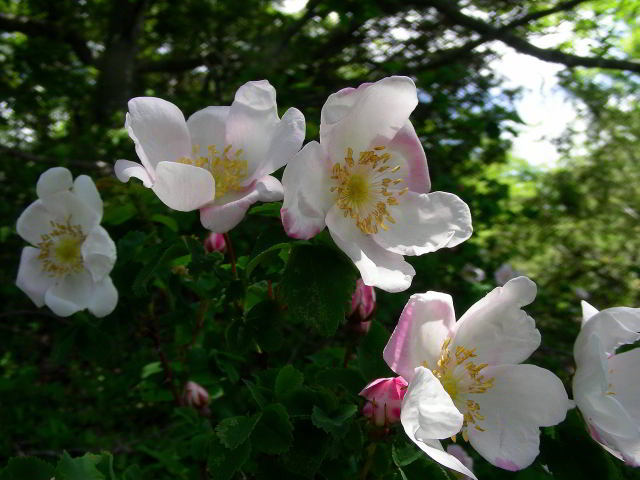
459	377
228	170
367	188
60	249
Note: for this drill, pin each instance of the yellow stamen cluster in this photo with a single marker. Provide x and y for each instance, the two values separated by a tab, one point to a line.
227	172
458	382
366	188
60	249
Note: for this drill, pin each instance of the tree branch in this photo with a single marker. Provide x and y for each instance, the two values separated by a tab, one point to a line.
550	55
40	28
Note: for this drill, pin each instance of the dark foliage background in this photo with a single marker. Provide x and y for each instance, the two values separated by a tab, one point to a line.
270	344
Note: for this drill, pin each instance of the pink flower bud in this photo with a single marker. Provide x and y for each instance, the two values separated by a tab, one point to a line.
384	399
195	396
363	301
215	243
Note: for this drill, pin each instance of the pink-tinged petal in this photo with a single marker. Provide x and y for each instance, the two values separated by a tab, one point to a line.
85	190
407	146
222	217
461	454
54	180
425	223
307	196
98	253
183	187
496	327
104	298
588	311
252	121
378	267
614	327
286	141
32	279
70	294
426	321
363	300
34	221
125	169
378	113
158	130
207	127
522	399
427	409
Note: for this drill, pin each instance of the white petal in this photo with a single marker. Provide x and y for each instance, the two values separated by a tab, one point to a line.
425	223
614	326
85	190
32	279
496	326
125	169
286	141
34	221
378	267
591	387
207	127
183	187
522	399
54	180
221	218
158	130
406	146
624	375
307	196
427	409
104	298
70	294
378	113
98	253
434	449
62	207
252	121
426	321
588	311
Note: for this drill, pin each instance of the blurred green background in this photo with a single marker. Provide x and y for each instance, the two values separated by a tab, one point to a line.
68	69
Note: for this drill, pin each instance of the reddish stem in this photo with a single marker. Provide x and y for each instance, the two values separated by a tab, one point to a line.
232	254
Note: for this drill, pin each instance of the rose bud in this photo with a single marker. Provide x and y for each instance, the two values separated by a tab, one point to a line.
195	396
384	399
363	301
215	243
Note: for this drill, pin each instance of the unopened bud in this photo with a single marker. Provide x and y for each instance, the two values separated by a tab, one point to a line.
195	396
215	243
363	301
384	399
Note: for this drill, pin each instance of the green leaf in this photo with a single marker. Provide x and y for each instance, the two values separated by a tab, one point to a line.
405	453
165	255
317	284
264	255
168	222
270	209
335	424
224	463
370	360
235	430
288	379
274	432
81	468
151	369
31	468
